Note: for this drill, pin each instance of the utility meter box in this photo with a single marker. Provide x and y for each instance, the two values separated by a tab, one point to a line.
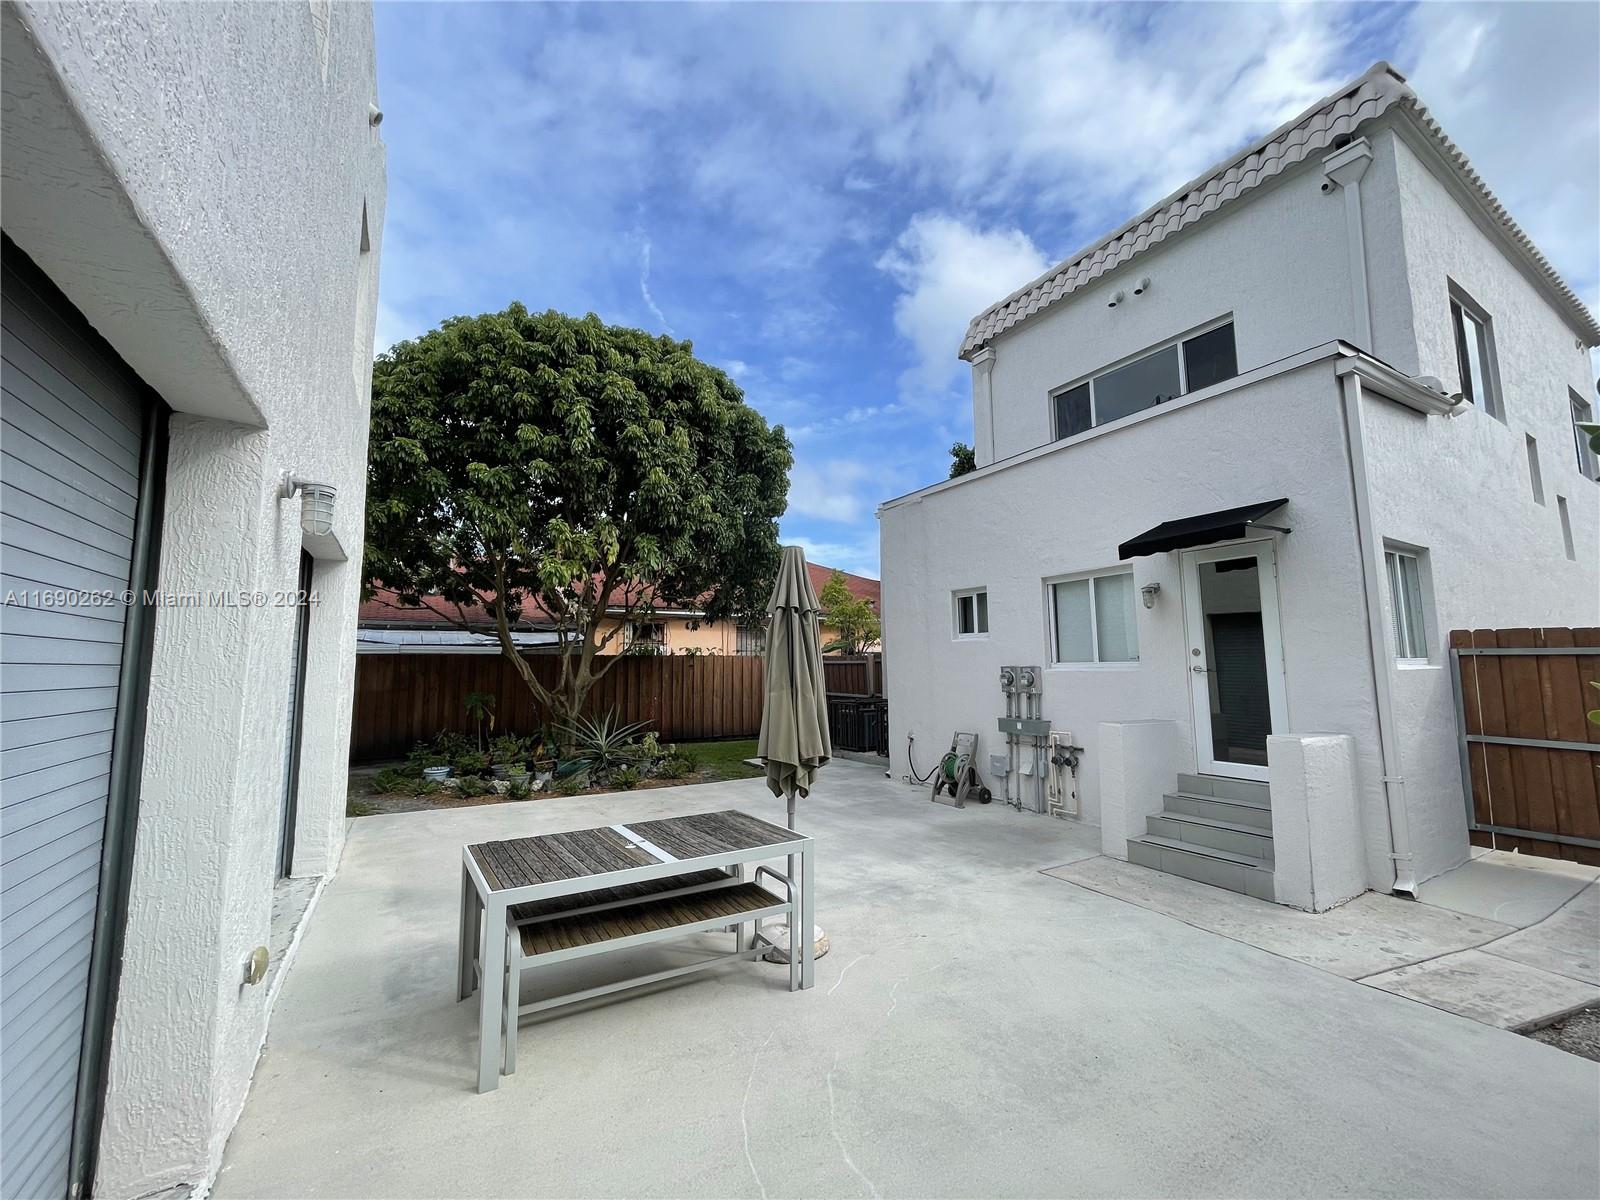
1025	726
998	766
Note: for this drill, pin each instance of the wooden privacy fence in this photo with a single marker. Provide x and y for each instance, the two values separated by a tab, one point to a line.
853	675
402	699
1530	758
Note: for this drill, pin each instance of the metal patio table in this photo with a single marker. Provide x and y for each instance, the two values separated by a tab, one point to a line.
526	874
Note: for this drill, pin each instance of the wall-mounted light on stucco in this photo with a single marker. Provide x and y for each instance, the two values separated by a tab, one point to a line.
316	503
1148	594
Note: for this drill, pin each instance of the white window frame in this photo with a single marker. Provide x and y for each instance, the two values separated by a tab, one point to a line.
956	598
1493	399
1407	627
1052	626
1098	372
1583	411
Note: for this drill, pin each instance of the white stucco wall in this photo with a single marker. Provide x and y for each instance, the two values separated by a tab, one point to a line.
1461	488
204	208
1014	525
1278	261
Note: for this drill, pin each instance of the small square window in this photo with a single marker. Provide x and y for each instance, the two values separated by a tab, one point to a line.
1475	359
972	613
1405	606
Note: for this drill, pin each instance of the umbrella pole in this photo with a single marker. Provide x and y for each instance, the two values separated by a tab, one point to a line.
794	916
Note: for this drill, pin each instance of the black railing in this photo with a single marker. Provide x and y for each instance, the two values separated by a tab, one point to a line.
859	723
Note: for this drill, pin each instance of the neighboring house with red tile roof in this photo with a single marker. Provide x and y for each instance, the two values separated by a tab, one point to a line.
389	627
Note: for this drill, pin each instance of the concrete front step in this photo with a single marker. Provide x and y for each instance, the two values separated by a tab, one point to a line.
1220	785
1232	836
1256	813
1241	873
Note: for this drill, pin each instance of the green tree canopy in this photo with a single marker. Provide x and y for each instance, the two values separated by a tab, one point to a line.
962	461
855	624
561	465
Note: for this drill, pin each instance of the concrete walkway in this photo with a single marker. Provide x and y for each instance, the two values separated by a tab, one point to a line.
979	1029
1508	940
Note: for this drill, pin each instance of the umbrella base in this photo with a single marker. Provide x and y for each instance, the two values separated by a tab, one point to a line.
778	932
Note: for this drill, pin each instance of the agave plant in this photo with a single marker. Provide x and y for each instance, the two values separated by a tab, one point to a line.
601	744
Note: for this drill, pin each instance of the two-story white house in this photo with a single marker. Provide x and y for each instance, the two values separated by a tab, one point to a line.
1241	467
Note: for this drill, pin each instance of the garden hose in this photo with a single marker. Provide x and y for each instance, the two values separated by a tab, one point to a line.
912	763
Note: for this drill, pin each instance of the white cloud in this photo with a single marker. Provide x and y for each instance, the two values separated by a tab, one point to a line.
859	555
1515	86
948	271
644	286
837	489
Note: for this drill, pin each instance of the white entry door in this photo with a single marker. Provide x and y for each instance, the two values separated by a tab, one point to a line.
1234	656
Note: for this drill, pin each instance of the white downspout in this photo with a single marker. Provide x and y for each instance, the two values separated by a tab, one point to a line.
1394	785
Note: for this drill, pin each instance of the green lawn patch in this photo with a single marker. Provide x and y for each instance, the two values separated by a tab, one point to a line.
723	760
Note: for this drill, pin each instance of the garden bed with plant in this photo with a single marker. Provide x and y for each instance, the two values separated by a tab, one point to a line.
589	756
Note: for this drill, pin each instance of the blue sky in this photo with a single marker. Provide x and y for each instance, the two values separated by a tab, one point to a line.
820	196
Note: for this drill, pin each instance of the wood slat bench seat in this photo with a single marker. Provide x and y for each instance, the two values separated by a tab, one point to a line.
650	916
612	897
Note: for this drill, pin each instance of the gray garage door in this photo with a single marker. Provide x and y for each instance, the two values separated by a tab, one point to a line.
69	483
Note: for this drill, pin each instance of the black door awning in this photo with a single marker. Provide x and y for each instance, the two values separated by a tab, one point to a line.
1221	526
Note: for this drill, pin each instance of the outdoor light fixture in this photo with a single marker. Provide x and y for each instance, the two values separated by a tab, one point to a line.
316	503
1149	592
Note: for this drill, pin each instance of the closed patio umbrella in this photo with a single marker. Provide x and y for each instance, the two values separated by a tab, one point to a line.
794	742
794	720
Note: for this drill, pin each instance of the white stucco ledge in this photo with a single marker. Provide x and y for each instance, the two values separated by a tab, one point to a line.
71	194
1139	765
1318	856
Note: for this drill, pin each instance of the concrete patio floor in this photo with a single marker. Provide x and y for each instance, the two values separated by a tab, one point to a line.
979	1029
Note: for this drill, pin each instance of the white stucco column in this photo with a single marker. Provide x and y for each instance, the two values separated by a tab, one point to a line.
1344	169
1139	764
200	886
1319	855
983	406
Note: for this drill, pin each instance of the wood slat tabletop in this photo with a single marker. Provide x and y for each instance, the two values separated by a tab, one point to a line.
556	857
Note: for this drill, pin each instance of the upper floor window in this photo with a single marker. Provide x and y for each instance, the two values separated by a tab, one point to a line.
1160	375
1475	357
972	613
1583	414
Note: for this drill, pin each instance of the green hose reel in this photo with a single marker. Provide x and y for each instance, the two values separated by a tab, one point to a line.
955	777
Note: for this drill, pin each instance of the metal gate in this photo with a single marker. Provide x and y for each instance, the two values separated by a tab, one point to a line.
1530	758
